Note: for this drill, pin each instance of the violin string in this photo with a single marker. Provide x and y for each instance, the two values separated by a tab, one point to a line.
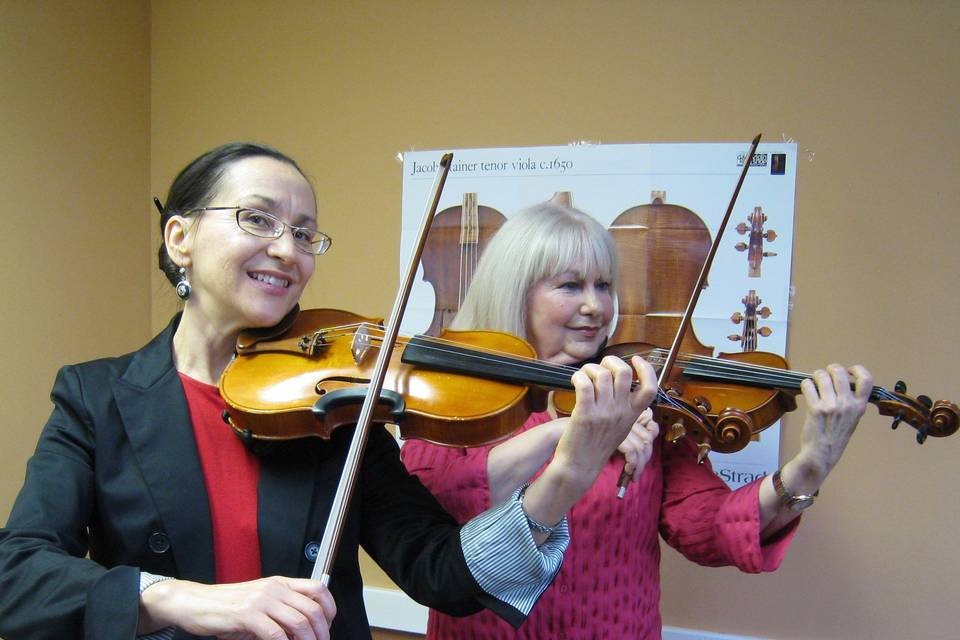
523	363
745	372
731	370
461	285
727	370
375	333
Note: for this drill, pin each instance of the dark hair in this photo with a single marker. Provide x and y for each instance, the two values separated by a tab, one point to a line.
194	185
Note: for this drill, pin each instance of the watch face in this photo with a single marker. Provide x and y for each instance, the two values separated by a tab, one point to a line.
799	503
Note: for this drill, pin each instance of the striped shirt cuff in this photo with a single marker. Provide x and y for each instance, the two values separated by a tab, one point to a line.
146	580
504	558
164	634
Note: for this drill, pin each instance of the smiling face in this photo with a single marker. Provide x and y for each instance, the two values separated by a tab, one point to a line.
568	315
240	280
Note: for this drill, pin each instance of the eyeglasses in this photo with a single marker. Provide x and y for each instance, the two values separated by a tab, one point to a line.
265	225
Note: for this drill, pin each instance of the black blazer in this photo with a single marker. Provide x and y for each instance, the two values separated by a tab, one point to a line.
116	475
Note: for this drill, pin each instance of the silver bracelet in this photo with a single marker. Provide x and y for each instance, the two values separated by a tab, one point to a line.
536	525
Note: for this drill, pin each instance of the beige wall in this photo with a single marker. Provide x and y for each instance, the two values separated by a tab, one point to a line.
867	90
74	180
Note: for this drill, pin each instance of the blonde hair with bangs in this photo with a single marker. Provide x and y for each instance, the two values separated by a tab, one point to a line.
539	242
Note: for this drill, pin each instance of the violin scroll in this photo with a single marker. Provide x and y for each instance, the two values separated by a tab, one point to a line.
938	419
755	252
733	431
944	419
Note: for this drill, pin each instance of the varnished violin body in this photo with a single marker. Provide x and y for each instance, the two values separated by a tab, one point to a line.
312	378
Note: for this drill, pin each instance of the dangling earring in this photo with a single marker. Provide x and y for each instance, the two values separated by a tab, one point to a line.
183	287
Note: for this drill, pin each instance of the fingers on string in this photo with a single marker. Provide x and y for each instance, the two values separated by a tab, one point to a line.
646	390
819	392
583	388
862	382
622	375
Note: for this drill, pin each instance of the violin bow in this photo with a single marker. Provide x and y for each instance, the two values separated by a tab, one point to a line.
341	501
671	358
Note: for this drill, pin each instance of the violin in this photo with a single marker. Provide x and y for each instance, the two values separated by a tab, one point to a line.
740	394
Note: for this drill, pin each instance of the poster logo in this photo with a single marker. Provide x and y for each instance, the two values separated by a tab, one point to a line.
759	159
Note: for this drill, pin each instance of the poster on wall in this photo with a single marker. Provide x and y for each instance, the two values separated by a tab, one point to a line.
662	204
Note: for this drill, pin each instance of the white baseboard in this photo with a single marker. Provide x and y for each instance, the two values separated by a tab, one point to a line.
393	609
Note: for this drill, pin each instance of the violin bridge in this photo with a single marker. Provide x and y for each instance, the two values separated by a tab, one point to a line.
362	343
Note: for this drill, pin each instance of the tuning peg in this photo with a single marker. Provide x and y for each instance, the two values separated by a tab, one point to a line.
900	387
741	246
742	228
765	312
675	432
922	433
925	401
736	318
702	404
770	235
897	420
769	254
765	331
703	450
734	337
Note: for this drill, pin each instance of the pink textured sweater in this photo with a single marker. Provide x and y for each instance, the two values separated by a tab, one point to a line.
609	585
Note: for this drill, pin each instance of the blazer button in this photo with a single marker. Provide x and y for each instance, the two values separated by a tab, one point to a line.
311	551
159	542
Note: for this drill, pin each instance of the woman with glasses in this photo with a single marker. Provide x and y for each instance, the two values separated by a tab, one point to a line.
143	515
549	275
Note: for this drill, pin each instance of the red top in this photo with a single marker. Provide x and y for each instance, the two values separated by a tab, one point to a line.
231	474
609	584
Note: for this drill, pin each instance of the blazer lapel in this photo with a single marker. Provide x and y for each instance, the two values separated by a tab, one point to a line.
150	399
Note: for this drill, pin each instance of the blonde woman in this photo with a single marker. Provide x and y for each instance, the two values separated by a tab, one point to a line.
549	276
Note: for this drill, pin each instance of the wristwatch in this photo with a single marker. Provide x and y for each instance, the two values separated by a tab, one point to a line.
792	502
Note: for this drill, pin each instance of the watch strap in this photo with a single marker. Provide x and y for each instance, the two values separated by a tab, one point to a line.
795	502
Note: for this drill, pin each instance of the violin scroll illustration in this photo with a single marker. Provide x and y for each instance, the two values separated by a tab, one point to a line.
754	249
748	337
